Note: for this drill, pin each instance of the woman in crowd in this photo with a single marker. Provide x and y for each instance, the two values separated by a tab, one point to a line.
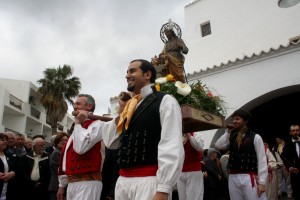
7	172
59	141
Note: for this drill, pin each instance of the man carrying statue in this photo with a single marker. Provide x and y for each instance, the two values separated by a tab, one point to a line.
173	50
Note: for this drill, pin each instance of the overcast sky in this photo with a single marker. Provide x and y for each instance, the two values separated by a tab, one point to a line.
98	38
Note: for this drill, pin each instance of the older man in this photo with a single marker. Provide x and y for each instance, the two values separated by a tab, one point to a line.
80	162
37	171
11	144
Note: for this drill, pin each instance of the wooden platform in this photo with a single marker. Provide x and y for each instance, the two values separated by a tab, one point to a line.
194	120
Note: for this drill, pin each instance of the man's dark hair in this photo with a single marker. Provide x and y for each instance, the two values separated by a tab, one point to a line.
280	137
243	114
89	100
147	66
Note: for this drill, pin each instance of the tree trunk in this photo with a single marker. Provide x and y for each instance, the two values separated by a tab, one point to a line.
54	128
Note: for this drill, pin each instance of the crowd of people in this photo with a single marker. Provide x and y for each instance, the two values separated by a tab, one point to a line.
25	167
147	157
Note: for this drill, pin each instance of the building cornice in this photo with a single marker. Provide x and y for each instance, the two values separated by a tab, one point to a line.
293	45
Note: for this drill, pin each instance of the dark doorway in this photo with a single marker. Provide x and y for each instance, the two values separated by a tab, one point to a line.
275	117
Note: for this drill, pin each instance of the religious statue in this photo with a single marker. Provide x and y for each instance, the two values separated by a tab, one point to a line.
174	48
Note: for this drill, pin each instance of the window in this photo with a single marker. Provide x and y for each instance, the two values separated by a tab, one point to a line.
205	29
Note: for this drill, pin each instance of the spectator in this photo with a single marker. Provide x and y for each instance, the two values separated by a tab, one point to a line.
283	173
59	142
20	140
271	184
291	159
37	172
28	144
213	180
11	144
224	166
7	171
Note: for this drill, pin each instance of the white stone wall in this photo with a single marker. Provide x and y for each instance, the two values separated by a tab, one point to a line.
238	28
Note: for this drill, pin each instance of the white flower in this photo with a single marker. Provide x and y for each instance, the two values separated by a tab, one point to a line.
161	80
183	88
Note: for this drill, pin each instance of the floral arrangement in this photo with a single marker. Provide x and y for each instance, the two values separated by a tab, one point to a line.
196	95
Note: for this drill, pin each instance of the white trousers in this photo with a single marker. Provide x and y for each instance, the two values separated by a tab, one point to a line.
240	188
136	188
84	190
190	186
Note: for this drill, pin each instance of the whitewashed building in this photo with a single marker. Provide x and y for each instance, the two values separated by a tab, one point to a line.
249	52
21	111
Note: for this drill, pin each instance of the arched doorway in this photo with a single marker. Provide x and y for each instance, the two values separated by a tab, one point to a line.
272	114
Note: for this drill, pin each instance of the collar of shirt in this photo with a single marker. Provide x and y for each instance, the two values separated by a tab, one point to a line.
36	155
146	90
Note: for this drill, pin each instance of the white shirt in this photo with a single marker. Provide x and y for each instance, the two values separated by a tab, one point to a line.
297	147
197	141
262	174
271	160
170	148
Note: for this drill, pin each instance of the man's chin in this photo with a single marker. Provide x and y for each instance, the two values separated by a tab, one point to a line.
130	88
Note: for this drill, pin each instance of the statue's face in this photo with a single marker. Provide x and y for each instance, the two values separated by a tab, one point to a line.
168	33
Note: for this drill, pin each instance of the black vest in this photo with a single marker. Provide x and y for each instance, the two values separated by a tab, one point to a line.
243	159
138	145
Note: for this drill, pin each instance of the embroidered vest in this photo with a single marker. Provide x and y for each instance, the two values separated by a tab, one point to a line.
138	145
243	158
85	163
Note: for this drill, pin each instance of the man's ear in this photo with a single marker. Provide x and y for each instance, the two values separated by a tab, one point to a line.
89	106
148	75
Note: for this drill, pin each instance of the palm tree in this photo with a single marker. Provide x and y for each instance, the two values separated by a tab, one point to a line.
57	87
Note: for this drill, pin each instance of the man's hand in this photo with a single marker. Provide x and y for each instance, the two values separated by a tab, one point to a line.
82	115
61	194
260	189
230	127
293	170
122	105
188	135
161	196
